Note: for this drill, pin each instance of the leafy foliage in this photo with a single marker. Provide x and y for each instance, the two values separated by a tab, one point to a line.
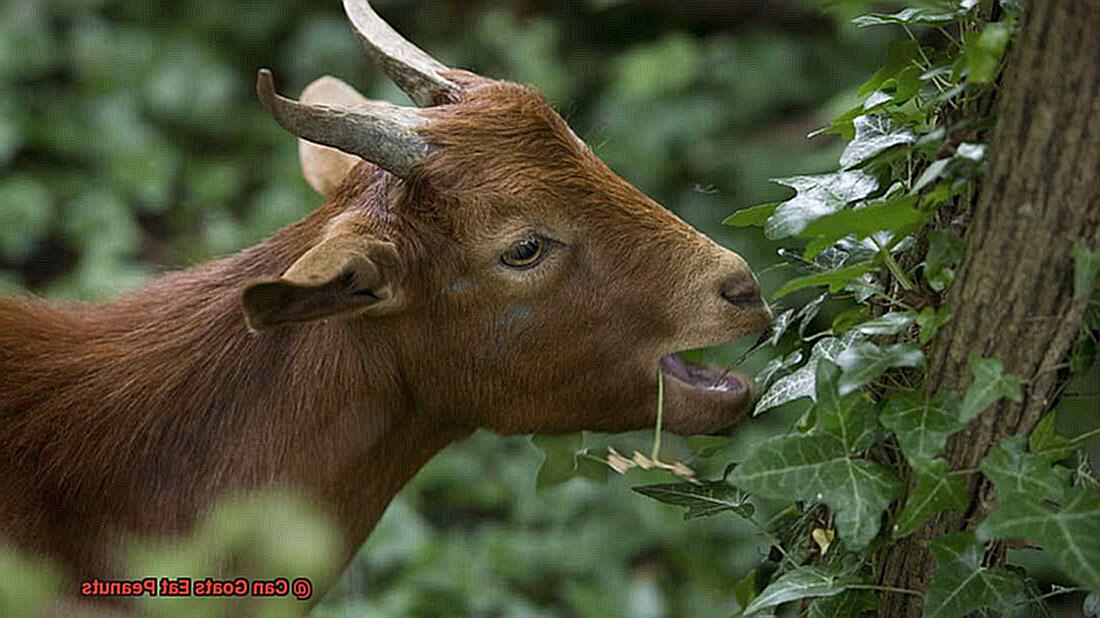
874	236
1068	532
702	499
922	426
961	584
823	465
990	385
801	583
816	196
802	383
936	490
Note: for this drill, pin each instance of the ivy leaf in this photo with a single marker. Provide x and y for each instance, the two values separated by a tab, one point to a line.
801	383
944	252
866	361
936	490
836	279
874	135
1091	605
930	321
922	427
961	584
808	312
816	468
751	217
701	499
776	365
851	418
849	604
889	324
1068	533
990	384
1086	269
820	466
931	174
923	17
1018	474
801	583
1046	443
744	591
898	215
816	196
900	55
561	461
849	318
983	51
779	326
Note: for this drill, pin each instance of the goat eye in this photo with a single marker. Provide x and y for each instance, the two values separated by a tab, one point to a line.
524	254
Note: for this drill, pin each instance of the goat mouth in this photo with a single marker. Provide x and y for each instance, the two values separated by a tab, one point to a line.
702	399
703	377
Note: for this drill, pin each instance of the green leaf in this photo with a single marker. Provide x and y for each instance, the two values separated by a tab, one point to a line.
701	500
864	362
779	326
1091	606
961	585
983	51
801	583
776	365
1068	533
1046	443
562	461
815	197
752	217
889	324
850	419
989	386
922	427
744	591
900	55
835	279
808	312
930	321
874	135
931	174
1086	269
898	215
849	604
1018	474
802	382
909	16
944	252
817	468
936	490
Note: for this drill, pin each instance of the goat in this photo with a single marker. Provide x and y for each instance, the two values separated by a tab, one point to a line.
474	265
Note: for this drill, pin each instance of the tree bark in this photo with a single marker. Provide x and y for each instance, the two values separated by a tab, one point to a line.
1013	296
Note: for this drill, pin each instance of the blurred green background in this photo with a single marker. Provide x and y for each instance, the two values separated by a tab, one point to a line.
131	143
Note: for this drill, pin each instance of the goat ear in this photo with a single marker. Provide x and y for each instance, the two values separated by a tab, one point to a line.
324	167
342	276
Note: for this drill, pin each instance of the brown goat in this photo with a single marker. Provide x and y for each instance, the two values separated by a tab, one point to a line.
475	265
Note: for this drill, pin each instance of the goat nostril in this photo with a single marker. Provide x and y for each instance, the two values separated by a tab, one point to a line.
741	290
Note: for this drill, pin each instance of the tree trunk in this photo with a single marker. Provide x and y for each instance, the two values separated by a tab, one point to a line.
1013	296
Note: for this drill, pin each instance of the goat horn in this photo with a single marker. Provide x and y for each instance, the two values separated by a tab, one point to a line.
381	133
419	75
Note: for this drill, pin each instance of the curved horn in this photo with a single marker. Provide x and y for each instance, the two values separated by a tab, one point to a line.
381	133
419	75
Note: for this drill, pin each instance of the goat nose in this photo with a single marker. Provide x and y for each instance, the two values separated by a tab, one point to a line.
741	290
